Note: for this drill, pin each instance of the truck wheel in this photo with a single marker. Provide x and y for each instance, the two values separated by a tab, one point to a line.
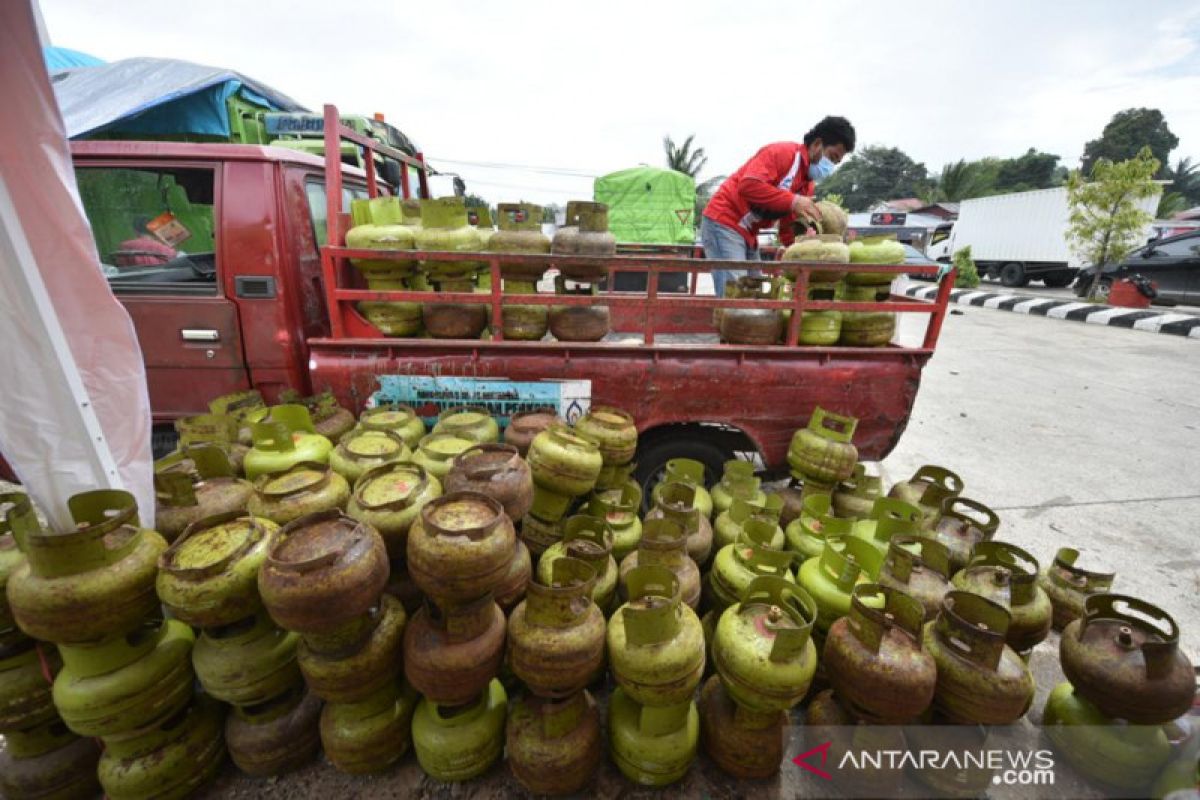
1013	274
652	462
1057	280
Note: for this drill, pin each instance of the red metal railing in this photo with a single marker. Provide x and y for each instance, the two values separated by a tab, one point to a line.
343	318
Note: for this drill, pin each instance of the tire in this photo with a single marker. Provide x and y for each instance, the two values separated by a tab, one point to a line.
1013	275
1103	289
652	461
1057	280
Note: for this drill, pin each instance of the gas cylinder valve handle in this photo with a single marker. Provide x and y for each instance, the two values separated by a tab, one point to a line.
1139	615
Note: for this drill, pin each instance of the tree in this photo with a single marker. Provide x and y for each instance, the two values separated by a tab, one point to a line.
874	174
1126	134
1033	170
964	179
1185	181
1170	204
683	158
968	275
1105	221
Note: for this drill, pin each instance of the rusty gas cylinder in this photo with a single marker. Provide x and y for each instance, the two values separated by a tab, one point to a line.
362	449
538	534
929	488
854	496
792	498
677	501
738	482
556	636
48	761
246	662
325	571
512	588
460	547
349	677
874	658
728	526
920	567
691	472
664	544
1069	585
371	735
209	576
524	426
806	534
92	582
1123	656
740	748
554	746
401	420
620	507
824	450
980	679
1006	574
468	422
401	586
962	524
736	565
389	497
888	517
450	655
496	470
277	736
304	488
207	489
655	642
590	540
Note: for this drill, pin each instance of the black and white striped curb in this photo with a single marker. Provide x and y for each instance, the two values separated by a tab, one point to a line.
1095	313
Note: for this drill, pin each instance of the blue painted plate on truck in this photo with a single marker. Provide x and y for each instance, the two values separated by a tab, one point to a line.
431	394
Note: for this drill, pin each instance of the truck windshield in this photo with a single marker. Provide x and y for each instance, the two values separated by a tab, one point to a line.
154	227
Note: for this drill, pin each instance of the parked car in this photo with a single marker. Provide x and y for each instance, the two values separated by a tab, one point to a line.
1172	264
914	257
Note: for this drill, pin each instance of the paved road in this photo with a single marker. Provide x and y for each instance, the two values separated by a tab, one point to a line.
1078	435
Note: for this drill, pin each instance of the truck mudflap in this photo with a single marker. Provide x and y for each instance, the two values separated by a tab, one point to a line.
766	393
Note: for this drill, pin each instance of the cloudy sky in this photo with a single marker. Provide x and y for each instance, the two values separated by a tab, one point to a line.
548	88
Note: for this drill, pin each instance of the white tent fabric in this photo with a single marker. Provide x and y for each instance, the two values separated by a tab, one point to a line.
76	412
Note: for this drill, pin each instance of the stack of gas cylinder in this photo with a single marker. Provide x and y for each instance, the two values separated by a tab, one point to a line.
368	587
825	283
447	225
126	675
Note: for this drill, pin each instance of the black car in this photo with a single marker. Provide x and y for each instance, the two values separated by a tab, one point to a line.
1172	264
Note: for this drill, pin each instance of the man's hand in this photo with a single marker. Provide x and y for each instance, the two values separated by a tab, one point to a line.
805	207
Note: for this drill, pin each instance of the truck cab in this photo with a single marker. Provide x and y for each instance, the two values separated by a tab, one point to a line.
214	251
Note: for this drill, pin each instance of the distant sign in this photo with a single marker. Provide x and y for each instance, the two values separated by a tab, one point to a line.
888	218
277	123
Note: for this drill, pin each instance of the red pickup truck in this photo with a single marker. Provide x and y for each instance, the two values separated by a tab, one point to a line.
245	301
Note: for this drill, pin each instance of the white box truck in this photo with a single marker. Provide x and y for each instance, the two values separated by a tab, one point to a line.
1018	237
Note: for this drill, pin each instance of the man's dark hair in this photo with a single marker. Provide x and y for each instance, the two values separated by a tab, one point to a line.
833	131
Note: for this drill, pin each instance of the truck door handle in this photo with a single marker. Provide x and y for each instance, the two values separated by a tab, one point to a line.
200	335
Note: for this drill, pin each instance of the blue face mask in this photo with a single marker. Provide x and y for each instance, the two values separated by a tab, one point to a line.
820	170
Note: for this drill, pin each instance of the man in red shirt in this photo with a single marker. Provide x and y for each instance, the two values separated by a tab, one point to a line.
777	184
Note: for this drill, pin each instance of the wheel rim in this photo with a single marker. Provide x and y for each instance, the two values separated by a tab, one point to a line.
1103	290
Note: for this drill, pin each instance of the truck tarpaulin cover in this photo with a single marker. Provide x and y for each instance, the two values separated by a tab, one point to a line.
157	96
649	206
76	413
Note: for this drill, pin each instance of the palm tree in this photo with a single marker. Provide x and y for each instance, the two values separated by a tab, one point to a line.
683	158
961	180
1186	181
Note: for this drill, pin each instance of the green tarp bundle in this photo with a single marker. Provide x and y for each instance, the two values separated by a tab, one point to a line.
647	205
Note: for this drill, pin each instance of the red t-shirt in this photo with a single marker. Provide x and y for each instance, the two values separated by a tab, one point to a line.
761	192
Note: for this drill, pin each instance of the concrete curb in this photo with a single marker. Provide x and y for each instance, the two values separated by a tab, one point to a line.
1095	313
